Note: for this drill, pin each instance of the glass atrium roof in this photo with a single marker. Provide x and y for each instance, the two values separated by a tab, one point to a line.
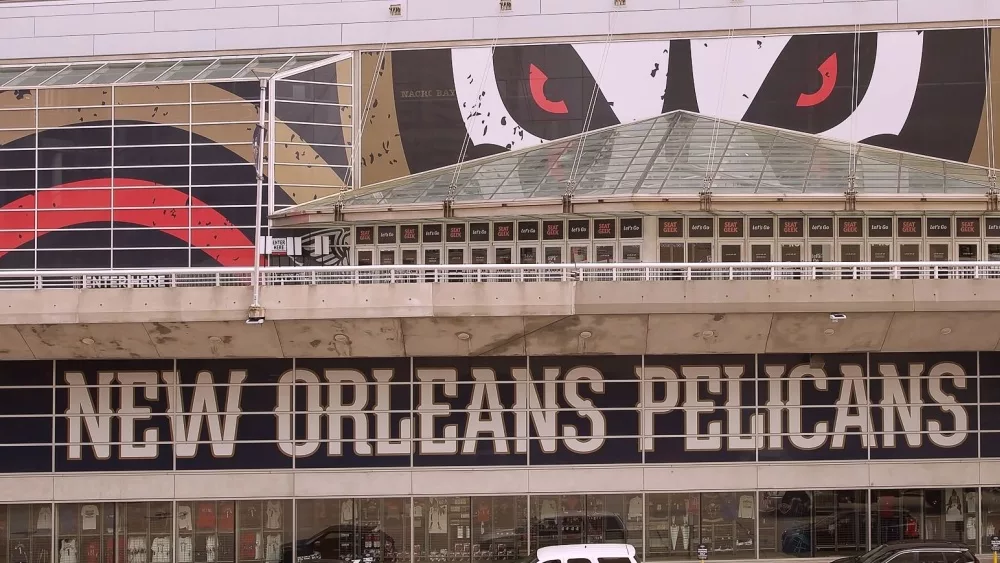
153	71
668	155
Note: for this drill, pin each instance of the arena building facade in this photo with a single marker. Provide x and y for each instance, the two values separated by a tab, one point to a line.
729	144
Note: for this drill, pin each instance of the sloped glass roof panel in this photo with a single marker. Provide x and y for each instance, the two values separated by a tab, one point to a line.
34	76
670	154
165	70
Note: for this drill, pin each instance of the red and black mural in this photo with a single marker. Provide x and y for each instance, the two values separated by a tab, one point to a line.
156	175
917	91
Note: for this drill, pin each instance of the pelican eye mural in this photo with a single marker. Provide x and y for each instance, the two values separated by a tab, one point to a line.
153	164
916	91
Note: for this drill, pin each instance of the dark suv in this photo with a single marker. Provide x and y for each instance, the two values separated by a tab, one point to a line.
915	551
366	544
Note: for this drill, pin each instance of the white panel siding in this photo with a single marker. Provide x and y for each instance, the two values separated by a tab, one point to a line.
96	24
116	27
160	42
834	13
276	37
218	18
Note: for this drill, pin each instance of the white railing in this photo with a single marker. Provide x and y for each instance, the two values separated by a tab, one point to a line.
323	275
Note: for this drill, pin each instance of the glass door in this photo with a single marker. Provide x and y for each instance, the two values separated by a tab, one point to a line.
850	252
880	252
909	252
939	251
700	253
672	253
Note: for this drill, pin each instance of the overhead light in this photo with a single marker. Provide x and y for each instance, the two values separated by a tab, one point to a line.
395	9
255	315
586	334
828	331
88	341
945	331
463	336
619	3
708	333
506	5
340	337
215	340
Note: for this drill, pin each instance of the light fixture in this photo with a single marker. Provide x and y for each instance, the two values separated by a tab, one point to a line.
463	336
708	333
88	341
829	331
619	3
395	9
340	337
506	5
586	334
215	340
945	331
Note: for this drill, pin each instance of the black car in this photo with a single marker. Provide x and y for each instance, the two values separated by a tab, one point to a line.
838	529
914	551
345	543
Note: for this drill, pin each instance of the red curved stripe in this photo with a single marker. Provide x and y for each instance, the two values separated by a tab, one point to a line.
154	206
828	70
536	81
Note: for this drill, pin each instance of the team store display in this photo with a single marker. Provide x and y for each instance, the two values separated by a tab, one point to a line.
733	525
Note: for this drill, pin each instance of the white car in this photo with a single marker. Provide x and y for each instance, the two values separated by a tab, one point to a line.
587	553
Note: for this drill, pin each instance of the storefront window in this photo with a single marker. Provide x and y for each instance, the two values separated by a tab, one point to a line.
812	523
931	514
499	528
442	529
26	533
678	522
372	530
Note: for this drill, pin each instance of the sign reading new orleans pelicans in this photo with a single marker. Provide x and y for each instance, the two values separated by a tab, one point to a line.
493	411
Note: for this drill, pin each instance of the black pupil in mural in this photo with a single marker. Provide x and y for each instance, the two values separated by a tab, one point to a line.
810	88
548	89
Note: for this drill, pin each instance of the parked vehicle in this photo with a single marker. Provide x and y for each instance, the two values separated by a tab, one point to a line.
590	552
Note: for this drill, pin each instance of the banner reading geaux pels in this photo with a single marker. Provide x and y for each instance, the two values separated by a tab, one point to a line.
495	411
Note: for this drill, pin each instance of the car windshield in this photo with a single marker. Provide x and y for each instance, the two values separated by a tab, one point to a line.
875	555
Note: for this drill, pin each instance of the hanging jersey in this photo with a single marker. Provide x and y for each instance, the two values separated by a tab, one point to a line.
970	528
19	552
273	552
211	549
184	517
185	549
226	517
91	551
44	520
346	512
250	545
971	503
250	515
67	551
89	516
746	506
136	549
273	512
206	516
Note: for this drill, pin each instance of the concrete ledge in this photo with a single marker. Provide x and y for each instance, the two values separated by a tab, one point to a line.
539	318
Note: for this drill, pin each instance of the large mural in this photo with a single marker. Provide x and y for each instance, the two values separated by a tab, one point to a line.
159	175
917	91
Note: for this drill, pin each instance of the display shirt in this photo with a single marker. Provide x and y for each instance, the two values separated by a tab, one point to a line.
67	551
184	518
185	549
89	515
273	515
44	520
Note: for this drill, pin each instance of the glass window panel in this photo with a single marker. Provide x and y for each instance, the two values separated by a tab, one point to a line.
28	532
57	118
263	67
152	95
223	69
34	77
165	114
109	74
374	530
8	73
147	72
72	74
72	98
186	70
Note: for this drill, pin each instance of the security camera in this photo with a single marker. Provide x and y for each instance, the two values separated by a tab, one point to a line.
837	317
255	315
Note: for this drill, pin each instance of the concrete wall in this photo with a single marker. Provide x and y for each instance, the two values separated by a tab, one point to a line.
80	28
394	482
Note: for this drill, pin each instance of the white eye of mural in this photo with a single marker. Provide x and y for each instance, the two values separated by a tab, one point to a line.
889	98
633	78
486	117
728	73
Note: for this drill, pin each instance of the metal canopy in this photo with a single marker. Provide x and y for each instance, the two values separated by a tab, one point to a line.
214	69
670	154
